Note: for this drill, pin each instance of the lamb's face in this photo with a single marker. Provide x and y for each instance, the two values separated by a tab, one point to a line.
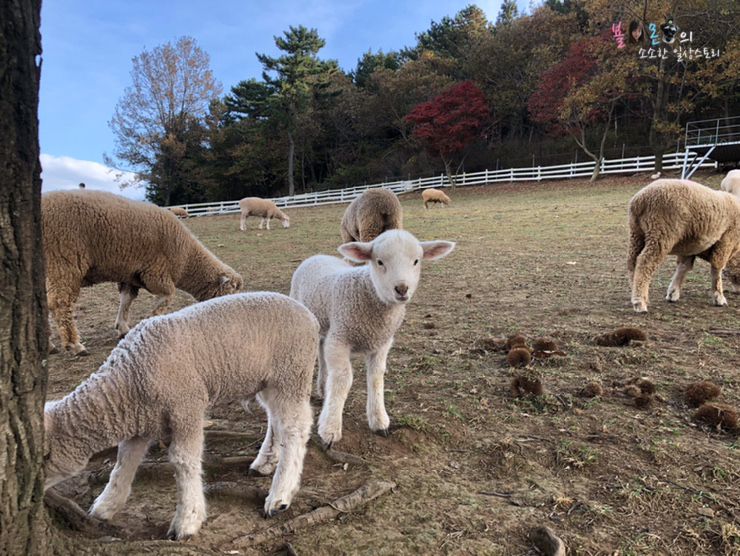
60	459
286	222
228	283
395	262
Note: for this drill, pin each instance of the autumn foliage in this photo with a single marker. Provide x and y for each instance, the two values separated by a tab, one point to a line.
450	122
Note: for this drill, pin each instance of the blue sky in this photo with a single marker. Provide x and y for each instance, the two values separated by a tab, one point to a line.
88	48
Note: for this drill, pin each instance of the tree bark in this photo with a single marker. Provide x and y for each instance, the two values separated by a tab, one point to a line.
23	337
291	164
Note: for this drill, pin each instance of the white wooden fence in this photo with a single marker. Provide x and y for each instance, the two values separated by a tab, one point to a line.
671	161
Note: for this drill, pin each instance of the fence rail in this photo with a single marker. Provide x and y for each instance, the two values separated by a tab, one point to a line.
671	161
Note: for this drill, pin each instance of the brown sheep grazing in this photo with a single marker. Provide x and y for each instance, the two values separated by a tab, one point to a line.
371	214
266	209
683	218
434	196
179	212
91	237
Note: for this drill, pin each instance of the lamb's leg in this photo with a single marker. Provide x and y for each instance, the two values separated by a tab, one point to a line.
267	458
685	264
377	417
262	223
161	286
185	453
338	382
127	294
636	245
321	375
61	304
118	489
426	205
721	254
243	222
647	264
292	421
268	222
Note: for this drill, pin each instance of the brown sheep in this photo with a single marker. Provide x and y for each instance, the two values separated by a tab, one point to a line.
91	237
434	196
371	214
266	209
179	212
684	218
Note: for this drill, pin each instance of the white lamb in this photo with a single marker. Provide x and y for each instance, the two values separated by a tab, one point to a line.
162	377
731	183
359	310
264	208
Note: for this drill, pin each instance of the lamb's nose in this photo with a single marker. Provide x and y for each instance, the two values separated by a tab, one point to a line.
401	289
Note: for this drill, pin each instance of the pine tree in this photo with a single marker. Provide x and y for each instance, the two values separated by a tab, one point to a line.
294	78
508	13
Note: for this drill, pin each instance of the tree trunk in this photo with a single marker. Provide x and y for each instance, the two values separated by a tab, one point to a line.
597	169
658	106
291	164
23	336
448	172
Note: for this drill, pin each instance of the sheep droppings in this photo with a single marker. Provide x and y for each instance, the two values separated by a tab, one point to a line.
519	357
621	337
718	415
699	392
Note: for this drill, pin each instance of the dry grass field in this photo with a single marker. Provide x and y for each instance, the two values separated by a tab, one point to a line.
477	468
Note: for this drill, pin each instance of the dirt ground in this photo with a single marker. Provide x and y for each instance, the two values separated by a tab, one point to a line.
477	469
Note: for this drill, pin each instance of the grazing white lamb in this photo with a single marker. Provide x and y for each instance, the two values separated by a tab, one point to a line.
264	208
433	196
162	377
683	218
359	310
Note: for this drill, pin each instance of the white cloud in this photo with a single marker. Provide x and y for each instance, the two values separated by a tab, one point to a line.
64	172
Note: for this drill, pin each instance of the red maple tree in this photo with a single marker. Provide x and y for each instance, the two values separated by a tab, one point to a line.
450	122
579	95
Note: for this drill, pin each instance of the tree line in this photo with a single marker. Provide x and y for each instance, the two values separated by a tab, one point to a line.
570	77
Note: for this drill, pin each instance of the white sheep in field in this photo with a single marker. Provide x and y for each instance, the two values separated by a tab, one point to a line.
731	183
267	210
371	214
159	382
92	236
432	195
684	218
359	310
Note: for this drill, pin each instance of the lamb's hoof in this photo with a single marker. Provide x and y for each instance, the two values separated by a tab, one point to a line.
53	349
175	535
326	445
672	296
252	472
385	433
720	301
275	511
640	307
80	351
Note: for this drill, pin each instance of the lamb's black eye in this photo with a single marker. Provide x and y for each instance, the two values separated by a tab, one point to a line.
380	263
416	262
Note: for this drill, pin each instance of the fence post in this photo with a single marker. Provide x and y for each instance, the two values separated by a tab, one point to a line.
539	173
486	176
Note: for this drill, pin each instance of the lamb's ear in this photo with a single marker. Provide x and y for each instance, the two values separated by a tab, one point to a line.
357	251
436	249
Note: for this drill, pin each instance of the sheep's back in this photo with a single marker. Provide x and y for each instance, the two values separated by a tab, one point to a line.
263	339
107	237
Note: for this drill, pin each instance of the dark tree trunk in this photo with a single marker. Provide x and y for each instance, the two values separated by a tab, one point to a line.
291	164
23	337
654	139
